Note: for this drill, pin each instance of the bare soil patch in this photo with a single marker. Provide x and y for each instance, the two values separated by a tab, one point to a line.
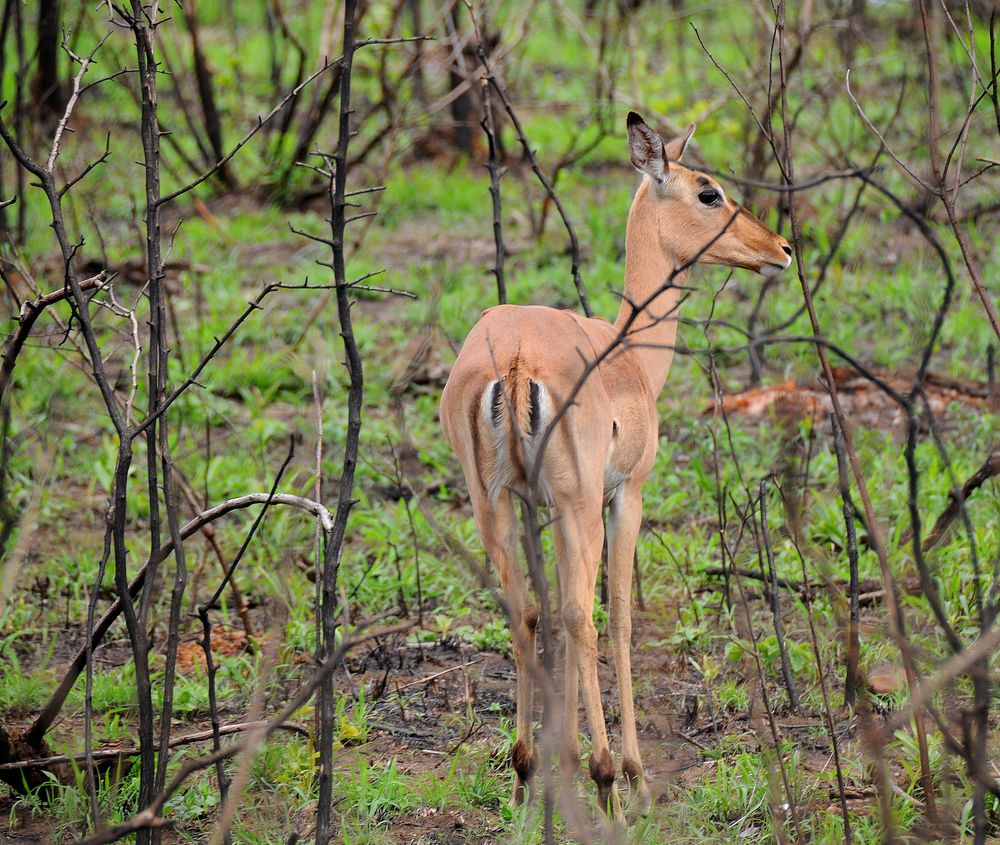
863	401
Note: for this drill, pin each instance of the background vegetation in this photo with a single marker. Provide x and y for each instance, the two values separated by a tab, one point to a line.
422	709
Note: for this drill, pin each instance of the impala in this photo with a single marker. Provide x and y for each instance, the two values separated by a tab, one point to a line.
518	368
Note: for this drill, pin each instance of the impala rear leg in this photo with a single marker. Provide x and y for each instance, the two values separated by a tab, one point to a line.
569	746
582	538
624	520
497	525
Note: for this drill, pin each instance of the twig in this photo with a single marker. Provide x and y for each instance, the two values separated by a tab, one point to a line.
495	174
209	533
778	187
436	675
622	339
492	162
885	144
150	816
957	664
74	97
775	601
319	534
692	741
415	539
176	393
851	675
206	625
896	619
176	742
31	310
260	124
956	497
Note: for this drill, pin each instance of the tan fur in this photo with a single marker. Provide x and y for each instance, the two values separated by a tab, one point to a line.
603	448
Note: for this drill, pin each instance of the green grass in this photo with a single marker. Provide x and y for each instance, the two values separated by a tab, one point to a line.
433	236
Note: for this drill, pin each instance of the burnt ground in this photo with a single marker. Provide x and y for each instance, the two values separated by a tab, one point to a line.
433	699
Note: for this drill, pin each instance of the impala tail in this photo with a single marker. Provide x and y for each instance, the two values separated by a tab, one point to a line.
515	412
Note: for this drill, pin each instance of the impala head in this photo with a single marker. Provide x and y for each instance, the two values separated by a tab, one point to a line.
692	209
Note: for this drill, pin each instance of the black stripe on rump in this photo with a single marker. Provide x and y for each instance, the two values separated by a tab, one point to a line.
497	403
535	413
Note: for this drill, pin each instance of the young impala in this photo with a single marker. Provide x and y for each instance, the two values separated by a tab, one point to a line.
518	367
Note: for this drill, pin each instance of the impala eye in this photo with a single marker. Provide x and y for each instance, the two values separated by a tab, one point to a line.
710	196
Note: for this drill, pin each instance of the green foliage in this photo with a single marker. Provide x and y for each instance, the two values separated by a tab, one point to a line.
434	235
375	794
800	657
20	692
493	636
352	720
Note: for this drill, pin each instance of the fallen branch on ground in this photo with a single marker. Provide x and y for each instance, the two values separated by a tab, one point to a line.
989	469
870	589
112	753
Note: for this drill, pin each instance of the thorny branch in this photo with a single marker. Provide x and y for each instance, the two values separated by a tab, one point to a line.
337	189
31	310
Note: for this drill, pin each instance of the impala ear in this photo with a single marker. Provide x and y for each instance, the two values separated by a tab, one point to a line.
645	149
675	149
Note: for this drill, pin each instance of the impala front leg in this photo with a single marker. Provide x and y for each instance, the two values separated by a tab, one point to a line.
624	520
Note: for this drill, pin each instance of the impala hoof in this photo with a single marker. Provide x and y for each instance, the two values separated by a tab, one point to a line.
602	771
610	802
640	797
524	759
520	793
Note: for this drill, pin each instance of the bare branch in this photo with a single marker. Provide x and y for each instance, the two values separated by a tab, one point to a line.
150	817
30	312
885	144
74	97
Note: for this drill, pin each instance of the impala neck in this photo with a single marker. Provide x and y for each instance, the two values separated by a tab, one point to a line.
647	267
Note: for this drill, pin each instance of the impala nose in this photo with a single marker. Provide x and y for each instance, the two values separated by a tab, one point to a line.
773	268
787	249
